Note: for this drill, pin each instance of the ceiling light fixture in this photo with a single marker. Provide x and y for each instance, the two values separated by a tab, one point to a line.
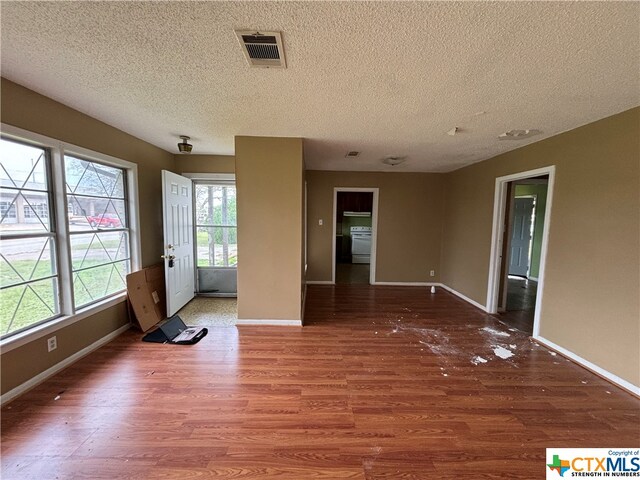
393	160
184	146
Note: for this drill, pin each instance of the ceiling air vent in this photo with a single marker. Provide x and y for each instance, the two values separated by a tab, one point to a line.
262	49
352	153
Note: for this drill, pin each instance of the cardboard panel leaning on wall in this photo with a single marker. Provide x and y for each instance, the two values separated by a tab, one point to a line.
409	223
269	203
31	111
591	302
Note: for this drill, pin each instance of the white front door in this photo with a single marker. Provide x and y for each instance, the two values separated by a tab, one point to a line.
521	237
178	240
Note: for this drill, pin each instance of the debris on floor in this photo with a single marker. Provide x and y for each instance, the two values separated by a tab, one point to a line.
495	332
502	352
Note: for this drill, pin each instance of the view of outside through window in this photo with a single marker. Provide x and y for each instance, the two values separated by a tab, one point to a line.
98	229
28	272
216	225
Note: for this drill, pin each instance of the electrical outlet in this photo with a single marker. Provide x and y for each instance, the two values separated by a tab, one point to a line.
432	273
52	343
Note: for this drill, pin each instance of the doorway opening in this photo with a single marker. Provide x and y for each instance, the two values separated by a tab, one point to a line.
215	251
520	232
354	233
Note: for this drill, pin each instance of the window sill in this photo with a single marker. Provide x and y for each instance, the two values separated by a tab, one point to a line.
58	323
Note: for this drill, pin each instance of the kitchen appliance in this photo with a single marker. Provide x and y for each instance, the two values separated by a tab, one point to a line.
360	244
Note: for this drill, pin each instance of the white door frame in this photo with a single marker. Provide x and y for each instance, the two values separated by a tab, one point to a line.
495	260
221	179
374	230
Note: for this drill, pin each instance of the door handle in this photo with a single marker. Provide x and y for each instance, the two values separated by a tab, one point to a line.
168	257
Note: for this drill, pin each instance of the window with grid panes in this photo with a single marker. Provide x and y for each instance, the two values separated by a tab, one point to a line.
100	237
29	280
57	261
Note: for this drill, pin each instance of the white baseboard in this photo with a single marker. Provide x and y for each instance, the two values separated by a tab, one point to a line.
41	377
628	386
535	279
319	282
463	297
269	321
409	284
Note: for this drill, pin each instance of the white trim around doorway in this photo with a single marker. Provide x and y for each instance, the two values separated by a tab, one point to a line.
499	207
374	230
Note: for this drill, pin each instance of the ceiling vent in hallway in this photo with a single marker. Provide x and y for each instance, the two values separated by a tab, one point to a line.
262	49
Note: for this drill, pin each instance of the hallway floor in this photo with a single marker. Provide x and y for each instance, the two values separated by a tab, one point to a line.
521	304
352	273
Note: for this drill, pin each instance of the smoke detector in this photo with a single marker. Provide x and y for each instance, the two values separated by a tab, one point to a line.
262	49
393	160
518	134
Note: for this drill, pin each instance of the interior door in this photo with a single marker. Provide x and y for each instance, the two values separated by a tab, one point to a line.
178	255
521	236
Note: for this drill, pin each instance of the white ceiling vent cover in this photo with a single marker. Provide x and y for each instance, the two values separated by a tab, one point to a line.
262	49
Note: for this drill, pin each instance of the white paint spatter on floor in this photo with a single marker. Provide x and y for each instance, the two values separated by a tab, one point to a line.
553	354
502	352
512	346
477	360
495	332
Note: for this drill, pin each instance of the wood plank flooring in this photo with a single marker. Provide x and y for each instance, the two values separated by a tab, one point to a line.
382	383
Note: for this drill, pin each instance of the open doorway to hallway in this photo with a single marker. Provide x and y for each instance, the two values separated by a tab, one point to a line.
354	238
522	245
521	218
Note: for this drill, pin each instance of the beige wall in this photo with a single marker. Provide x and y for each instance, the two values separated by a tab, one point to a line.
204	163
26	109
269	185
591	286
409	223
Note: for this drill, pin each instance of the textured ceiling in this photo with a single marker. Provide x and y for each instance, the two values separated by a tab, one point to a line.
383	78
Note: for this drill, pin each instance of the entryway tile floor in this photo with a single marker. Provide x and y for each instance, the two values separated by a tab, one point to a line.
210	312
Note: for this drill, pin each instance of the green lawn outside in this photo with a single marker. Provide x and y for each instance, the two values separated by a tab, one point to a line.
98	281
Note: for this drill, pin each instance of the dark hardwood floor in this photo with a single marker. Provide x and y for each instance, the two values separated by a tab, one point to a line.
382	383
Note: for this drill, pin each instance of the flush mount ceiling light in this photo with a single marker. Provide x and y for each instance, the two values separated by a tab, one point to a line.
184	146
393	160
518	134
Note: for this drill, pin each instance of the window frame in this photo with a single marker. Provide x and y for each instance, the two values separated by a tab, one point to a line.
57	149
89	231
50	234
219	180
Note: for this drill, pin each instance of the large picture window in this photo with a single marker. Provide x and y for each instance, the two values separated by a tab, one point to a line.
216	225
28	271
66	234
